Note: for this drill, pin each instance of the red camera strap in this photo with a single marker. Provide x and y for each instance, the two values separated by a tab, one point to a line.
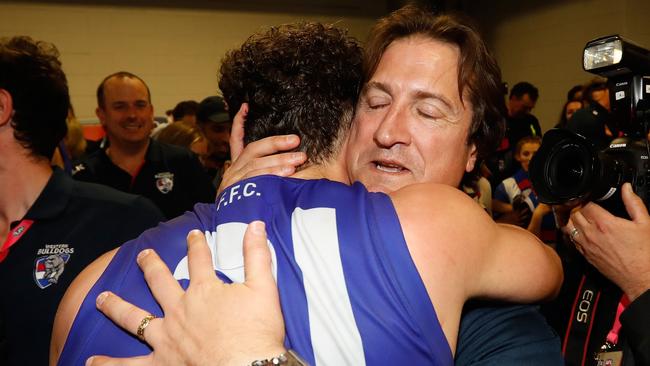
578	333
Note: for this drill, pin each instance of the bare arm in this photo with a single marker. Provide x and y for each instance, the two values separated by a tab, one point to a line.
494	260
500	206
71	302
461	253
535	225
518	267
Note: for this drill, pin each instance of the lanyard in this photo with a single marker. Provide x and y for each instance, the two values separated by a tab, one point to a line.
612	336
13	237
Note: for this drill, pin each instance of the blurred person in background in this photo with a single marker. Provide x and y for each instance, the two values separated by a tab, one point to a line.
213	119
187	136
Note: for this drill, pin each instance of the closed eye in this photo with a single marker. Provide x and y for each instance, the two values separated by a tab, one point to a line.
377	106
377	102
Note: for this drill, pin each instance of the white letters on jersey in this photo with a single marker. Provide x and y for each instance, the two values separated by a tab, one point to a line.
226	246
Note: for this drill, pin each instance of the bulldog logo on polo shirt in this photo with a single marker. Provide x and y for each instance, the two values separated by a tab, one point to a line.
164	182
49	267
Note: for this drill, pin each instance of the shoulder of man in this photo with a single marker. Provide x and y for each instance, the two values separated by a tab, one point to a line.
186	164
168	152
110	201
427	201
86	166
176	158
428	210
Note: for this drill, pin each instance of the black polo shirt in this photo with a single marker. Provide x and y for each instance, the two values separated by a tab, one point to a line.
172	177
520	127
73	224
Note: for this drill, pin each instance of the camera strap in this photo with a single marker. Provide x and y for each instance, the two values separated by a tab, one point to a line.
609	353
612	336
583	311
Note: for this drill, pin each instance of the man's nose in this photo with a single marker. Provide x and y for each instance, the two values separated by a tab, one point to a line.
393	128
132	111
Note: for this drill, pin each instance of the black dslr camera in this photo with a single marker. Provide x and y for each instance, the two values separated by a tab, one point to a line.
568	167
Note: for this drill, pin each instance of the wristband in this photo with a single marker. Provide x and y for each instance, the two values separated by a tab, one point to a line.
290	358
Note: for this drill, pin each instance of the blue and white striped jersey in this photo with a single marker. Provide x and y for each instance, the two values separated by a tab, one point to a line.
349	290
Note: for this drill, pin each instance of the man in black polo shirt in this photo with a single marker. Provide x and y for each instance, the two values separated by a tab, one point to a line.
51	226
171	176
519	124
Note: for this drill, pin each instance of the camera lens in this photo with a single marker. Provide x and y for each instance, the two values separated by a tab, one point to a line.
563	168
568	170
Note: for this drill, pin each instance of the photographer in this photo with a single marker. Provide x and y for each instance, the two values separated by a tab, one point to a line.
620	250
593	121
602	309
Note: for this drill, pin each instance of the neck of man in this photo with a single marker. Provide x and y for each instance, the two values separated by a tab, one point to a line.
22	179
127	156
333	169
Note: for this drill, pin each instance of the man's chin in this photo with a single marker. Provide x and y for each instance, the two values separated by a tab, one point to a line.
384	186
378	189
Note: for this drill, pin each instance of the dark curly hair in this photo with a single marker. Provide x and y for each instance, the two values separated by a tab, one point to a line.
479	76
301	78
31	72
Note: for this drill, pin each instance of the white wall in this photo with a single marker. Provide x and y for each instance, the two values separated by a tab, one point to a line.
543	43
177	51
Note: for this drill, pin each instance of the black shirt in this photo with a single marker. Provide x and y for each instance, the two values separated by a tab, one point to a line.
74	223
636	329
172	177
520	127
493	333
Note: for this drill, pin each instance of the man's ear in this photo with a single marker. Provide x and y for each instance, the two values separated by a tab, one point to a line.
6	107
471	158
101	115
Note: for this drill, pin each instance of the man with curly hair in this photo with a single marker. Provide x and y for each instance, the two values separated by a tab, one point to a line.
51	226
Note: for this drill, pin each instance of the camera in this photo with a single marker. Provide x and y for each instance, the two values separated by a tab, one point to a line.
569	167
